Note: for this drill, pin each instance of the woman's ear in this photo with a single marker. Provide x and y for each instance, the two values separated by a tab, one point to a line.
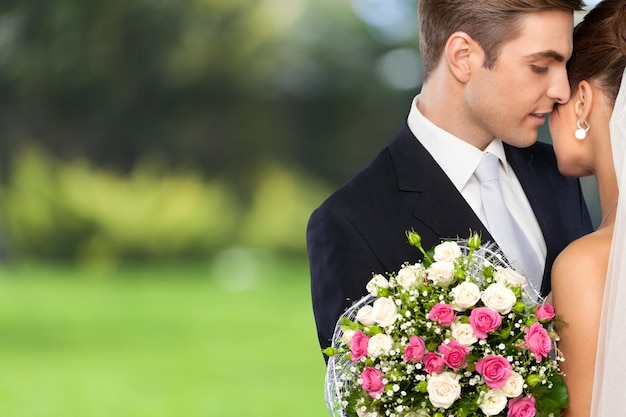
458	53
583	100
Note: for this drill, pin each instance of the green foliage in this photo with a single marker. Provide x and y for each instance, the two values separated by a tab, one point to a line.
75	211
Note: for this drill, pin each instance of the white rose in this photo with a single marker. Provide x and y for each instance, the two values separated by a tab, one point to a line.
493	402
364	316
499	298
384	311
379	345
346	337
444	389
514	385
465	295
377	281
441	273
409	276
447	251
510	278
463	333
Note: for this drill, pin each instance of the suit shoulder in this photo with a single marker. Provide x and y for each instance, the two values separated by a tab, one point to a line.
374	179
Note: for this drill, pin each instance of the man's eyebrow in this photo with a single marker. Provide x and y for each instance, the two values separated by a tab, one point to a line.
547	54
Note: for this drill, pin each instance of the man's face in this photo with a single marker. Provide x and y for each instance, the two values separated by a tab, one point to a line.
510	101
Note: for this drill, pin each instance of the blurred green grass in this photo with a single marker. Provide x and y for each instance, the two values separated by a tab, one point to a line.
232	338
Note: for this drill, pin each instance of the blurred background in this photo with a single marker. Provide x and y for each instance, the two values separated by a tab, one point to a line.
158	163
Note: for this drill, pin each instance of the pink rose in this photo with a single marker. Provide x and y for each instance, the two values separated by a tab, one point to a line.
372	381
414	352
454	354
522	407
545	312
538	341
358	347
484	320
433	363
495	369
442	314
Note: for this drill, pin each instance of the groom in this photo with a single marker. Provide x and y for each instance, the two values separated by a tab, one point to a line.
493	72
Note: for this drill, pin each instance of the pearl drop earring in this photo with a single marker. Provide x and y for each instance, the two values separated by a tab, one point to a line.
581	133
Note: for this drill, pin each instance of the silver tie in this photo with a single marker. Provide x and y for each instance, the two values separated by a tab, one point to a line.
508	234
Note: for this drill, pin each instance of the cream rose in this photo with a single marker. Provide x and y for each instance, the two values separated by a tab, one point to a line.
463	333
465	295
379	345
510	278
499	298
364	316
377	281
444	389
408	277
493	402
346	337
384	311
441	273
514	385
447	251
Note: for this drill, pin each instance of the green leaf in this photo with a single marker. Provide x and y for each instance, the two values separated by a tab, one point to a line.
551	400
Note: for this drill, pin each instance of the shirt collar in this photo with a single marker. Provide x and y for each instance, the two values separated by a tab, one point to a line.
456	157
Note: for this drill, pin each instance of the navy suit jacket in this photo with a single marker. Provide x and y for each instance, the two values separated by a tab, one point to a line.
360	229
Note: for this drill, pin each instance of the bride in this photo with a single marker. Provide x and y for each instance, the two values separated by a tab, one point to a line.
589	136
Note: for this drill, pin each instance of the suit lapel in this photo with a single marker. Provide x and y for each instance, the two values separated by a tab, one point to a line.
437	202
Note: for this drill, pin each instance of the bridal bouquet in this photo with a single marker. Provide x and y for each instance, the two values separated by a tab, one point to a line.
459	334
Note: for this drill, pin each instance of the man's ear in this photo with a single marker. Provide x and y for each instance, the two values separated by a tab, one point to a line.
583	100
458	51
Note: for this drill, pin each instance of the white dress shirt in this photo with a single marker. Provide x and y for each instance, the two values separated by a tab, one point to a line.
459	160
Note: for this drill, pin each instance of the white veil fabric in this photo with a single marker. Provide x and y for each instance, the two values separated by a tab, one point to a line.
609	388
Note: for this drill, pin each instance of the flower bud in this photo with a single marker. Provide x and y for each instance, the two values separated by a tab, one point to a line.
422	386
519	307
474	241
533	379
414	238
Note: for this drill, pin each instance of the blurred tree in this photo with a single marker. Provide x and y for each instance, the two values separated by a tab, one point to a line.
218	84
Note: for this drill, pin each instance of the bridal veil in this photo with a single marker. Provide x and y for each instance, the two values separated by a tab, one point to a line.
609	393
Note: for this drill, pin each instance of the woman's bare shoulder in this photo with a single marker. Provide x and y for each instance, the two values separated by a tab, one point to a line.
584	260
